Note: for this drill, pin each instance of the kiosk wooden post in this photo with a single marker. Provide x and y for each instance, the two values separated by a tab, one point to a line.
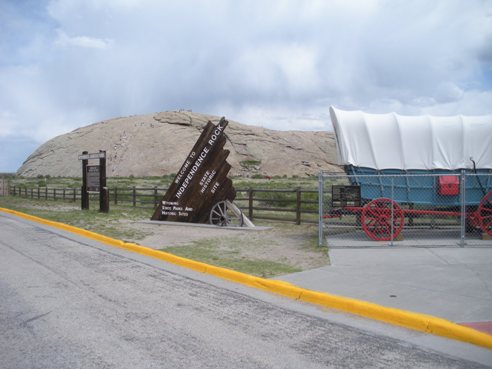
84	195
103	189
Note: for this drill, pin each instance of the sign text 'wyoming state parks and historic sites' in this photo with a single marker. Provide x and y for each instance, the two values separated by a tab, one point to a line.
202	180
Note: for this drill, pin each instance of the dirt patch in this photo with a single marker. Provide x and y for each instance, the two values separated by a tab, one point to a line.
294	245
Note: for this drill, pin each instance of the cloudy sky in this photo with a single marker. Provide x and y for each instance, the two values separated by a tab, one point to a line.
274	63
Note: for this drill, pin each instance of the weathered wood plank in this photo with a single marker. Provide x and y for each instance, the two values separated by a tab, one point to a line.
201	181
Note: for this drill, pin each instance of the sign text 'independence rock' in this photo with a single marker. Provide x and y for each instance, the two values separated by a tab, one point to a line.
202	180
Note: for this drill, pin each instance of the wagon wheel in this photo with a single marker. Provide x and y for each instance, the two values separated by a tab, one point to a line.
223	214
377	221
484	214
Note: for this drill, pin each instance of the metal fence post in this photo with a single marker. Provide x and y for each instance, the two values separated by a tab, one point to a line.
392	210
463	209
320	209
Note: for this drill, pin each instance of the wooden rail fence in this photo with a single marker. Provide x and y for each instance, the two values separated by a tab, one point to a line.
291	205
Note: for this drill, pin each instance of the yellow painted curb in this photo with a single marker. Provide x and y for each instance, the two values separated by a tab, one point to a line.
416	321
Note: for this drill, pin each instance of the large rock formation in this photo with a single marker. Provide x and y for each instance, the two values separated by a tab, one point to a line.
157	144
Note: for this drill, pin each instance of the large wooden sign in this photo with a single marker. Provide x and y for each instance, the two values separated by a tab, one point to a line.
202	181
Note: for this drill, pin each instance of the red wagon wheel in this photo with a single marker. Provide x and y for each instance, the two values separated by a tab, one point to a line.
484	214
379	215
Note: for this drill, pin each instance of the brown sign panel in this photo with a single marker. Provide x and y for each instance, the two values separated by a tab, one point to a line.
201	181
342	196
93	178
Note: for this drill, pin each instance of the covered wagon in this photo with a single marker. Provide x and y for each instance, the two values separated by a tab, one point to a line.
409	166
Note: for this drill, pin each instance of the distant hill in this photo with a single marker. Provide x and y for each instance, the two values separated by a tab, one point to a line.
157	144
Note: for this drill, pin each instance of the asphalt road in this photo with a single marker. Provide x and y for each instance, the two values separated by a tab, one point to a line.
66	302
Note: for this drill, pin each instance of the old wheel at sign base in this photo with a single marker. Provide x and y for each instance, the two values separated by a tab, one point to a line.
382	219
484	214
223	214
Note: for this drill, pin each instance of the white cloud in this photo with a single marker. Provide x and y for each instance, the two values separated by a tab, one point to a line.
82	41
448	92
278	117
278	63
7	125
472	102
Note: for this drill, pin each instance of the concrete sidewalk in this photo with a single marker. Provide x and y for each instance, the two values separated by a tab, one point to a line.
449	282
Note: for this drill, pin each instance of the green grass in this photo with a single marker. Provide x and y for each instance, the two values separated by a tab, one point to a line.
76	182
163	181
224	252
92	220
206	251
249	163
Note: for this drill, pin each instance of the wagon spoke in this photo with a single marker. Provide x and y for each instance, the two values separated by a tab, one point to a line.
216	214
386	228
222	209
371	212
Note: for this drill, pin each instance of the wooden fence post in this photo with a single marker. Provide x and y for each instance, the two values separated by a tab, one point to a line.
39	193
298	205
156	200
116	195
134	196
250	203
46	193
74	194
54	194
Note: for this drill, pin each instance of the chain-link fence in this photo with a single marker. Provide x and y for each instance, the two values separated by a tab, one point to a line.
428	210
